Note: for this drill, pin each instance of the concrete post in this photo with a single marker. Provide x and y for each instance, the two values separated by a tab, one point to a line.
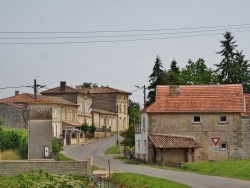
89	166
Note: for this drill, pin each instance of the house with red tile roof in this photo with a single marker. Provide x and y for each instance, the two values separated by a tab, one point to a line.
179	125
111	101
16	112
82	99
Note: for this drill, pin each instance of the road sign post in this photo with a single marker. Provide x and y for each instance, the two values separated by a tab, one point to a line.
215	140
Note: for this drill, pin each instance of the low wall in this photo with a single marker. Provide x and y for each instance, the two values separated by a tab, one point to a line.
13	168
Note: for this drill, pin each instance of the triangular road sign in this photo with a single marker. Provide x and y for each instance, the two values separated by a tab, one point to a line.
215	140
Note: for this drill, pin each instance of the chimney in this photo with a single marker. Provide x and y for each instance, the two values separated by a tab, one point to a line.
62	86
174	90
16	93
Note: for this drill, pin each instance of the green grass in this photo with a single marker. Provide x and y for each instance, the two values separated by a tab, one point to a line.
131	180
10	155
113	150
238	169
8	182
62	157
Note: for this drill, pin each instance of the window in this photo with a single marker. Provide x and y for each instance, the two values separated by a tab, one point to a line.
223	146
120	108
125	109
197	119
223	119
55	113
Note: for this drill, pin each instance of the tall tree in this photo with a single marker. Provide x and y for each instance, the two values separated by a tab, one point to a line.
225	68
241	69
134	112
197	73
156	78
172	75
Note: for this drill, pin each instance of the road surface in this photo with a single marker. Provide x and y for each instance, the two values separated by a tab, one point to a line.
97	148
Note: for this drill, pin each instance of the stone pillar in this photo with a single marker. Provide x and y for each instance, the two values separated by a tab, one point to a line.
89	166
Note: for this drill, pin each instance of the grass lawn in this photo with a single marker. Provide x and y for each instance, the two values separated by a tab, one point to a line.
113	150
10	155
131	180
238	169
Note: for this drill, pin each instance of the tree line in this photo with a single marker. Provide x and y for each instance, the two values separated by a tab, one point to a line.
233	69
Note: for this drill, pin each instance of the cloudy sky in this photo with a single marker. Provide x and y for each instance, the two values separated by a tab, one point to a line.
111	42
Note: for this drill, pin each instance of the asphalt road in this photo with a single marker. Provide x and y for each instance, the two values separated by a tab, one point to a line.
97	148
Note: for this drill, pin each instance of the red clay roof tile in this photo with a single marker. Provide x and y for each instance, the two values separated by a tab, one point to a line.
201	90
99	90
171	141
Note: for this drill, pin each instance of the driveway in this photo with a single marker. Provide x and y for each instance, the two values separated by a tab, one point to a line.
97	148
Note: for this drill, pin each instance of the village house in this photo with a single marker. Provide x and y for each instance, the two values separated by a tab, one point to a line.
13	110
110	104
82	99
181	124
64	122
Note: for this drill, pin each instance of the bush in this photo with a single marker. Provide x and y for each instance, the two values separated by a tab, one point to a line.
40	179
23	148
56	146
16	139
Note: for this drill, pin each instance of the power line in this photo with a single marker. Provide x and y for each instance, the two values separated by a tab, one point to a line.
113	36
112	41
117	31
14	87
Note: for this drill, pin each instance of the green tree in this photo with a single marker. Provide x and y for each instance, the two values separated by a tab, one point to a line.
197	73
129	137
1	124
85	128
241	70
225	68
172	75
134	112
156	78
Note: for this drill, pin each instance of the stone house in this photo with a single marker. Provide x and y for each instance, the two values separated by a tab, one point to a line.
14	110
104	119
64	124
179	126
112	101
82	99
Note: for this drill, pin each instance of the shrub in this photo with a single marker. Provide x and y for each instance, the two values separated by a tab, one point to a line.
40	179
56	146
23	148
16	139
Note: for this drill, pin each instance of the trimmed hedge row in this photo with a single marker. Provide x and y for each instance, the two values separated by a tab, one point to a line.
16	139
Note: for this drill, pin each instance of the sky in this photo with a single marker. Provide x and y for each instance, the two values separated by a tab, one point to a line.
113	42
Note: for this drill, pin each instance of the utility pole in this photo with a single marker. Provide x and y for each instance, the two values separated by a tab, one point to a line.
144	94
35	89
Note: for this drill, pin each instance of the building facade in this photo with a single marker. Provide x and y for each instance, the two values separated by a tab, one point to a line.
180	125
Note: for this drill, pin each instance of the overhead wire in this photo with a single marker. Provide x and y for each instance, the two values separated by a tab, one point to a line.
117	31
235	28
113	36
112	41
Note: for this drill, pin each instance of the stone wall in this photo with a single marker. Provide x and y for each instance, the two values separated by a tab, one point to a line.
14	117
232	133
13	168
105	101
